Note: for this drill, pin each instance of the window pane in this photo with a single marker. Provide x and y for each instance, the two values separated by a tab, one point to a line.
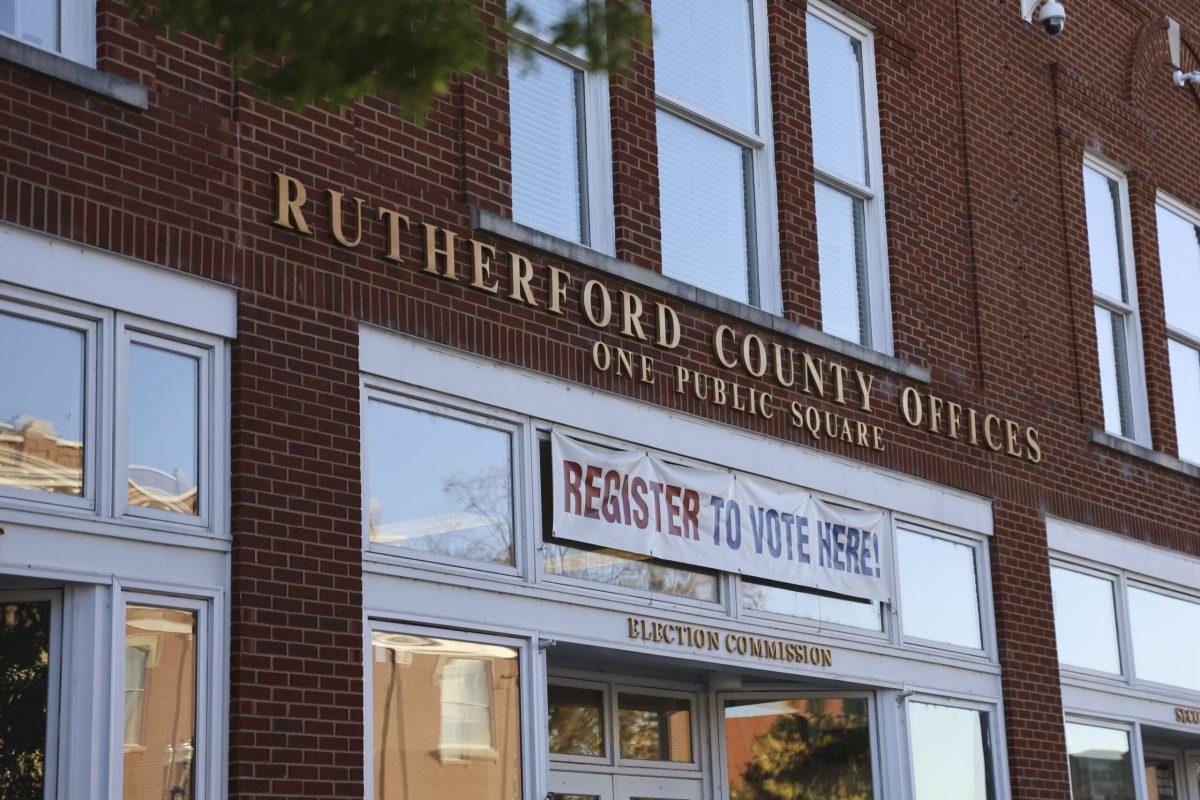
1102	196
1166	638
1085	621
160	764
447	718
1185	388
1114	371
1179	255
439	485
35	21
797	603
1160	779
799	748
547	167
951	754
704	56
544	14
939	599
1101	766
24	693
705	221
576	721
41	406
841	249
629	571
836	98
164	422
655	728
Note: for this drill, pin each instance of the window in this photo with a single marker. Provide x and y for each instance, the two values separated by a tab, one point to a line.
30	653
716	183
811	605
655	727
846	163
576	721
939	589
561	151
456	700
1085	620
951	752
1115	300
439	485
65	27
1101	762
137	657
1179	257
1165	635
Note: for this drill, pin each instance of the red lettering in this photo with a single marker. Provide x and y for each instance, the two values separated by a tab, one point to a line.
657	488
641	512
673	510
572	475
612	501
592	492
691	514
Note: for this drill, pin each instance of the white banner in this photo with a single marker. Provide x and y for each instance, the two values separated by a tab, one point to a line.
632	501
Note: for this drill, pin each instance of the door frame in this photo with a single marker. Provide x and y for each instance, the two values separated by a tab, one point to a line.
1182	783
1191	769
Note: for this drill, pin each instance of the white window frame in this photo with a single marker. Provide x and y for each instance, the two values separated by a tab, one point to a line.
209	355
1147	584
983	591
76	31
997	754
1139	412
1136	756
530	680
376	390
1189	214
872	193
595	141
209	753
1116	583
607	715
92	323
696	765
54	689
764	288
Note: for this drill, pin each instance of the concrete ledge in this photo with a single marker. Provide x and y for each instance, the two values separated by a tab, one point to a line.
1136	450
507	229
33	58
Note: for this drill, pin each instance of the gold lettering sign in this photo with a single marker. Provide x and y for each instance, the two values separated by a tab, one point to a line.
698	637
1187	716
820	398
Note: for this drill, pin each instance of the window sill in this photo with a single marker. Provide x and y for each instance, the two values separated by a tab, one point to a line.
507	229
55	66
1106	439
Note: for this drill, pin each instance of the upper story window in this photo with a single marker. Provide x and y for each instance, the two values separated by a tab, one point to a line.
65	27
561	151
1179	256
848	170
1114	295
716	179
940	587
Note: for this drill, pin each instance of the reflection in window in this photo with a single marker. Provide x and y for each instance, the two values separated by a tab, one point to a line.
799	748
809	605
1085	621
1179	255
576	721
938	589
1160	780
24	695
158	764
41	406
446	719
1101	766
32	21
164	429
950	753
655	728
1165	632
629	571
439	485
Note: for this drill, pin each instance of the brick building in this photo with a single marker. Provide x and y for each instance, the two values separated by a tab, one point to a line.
813	411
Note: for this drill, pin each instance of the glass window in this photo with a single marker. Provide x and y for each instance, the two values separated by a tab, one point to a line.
655	728
439	485
1179	256
416	681
629	571
1165	633
1185	391
951	753
42	406
809	605
938	589
1100	762
576	721
799	748
847	210
161	708
1085	620
711	145
24	697
1113	352
1160	780
32	21
164	430
1102	196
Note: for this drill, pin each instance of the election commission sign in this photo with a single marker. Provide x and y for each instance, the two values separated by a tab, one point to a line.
633	501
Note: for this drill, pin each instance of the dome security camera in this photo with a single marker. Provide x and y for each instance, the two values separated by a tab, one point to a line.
1053	17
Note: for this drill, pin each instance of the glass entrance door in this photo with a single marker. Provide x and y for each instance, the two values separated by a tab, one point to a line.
799	746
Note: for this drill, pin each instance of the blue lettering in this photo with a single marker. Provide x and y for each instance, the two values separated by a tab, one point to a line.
717	503
733	525
774	536
802	540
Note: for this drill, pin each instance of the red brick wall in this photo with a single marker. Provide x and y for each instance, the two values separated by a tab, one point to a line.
984	122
